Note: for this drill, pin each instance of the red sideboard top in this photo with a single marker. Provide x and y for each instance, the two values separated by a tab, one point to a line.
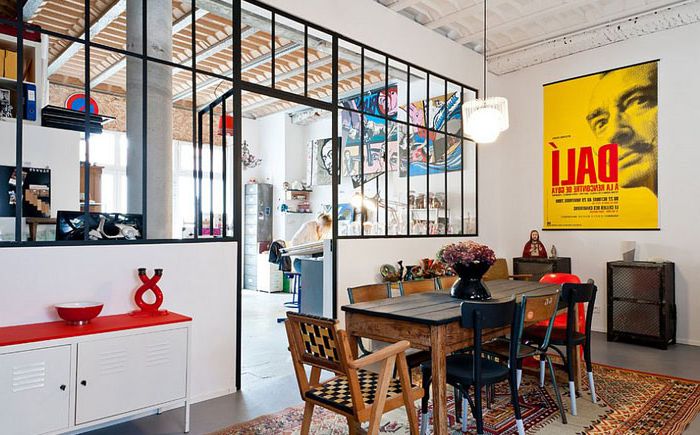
34	332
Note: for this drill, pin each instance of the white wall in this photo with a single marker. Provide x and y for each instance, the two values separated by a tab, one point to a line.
58	150
519	172
199	280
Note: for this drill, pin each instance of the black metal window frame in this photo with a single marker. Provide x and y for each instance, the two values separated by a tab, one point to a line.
238	85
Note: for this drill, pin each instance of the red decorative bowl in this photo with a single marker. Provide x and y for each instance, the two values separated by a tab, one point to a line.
78	313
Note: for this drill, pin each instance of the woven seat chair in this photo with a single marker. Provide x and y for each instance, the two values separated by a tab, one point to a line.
353	392
499	270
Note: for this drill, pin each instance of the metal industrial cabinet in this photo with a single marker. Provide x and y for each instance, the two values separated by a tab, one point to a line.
257	232
641	302
538	267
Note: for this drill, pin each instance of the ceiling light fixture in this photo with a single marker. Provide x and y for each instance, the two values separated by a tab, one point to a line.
485	118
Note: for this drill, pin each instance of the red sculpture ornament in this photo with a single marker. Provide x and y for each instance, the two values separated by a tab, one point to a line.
145	308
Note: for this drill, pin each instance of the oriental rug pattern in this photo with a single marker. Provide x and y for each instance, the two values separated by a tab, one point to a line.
630	402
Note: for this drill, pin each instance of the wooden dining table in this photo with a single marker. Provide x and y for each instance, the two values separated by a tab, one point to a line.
431	321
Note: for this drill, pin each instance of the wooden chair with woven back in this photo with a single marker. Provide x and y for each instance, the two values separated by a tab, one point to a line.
368	293
354	392
499	270
417	286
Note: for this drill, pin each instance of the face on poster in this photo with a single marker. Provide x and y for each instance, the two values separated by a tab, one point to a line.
601	150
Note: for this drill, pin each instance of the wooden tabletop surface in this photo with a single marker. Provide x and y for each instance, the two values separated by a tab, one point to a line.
437	308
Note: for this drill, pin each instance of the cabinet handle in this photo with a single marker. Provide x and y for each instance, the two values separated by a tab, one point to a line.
84	383
62	387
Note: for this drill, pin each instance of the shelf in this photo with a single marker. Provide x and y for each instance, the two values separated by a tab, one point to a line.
299	190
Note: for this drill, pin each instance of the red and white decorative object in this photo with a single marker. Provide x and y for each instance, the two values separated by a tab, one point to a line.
78	313
149	284
57	378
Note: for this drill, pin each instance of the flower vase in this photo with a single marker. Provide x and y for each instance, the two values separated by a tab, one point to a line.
470	286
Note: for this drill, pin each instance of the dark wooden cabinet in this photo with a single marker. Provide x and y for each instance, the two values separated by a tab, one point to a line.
641	302
538	267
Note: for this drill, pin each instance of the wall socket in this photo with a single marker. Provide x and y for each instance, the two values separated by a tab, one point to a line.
596	310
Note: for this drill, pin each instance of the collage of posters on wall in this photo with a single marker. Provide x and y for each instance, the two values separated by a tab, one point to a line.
601	150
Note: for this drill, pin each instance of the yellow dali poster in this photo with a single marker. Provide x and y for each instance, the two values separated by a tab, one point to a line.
601	150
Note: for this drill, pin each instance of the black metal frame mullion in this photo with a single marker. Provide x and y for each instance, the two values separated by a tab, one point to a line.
446	111
224	168
200	172
273	49
464	165
196	127
237	178
362	141
426	110
86	125
335	167
386	147
306	60
211	172
144	120
19	139
408	151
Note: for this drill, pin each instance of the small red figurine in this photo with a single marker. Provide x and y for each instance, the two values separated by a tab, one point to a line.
151	284
533	247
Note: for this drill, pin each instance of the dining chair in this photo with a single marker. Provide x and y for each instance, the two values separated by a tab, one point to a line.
444	283
499	270
375	292
534	309
569	337
417	286
367	293
473	370
354	392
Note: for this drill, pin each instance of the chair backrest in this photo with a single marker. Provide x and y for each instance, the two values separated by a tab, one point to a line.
315	341
560	278
445	282
490	314
417	286
370	292
498	270
572	294
536	308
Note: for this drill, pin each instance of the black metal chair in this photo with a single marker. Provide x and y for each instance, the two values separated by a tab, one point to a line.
534	309
569	337
472	370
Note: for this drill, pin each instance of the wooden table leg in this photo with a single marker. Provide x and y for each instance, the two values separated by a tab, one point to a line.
439	383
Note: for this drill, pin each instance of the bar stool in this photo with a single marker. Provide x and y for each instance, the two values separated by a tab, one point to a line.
295	303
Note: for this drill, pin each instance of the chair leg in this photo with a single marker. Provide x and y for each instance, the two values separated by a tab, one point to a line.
589	369
542	369
458	402
516	403
407	387
425	417
478	410
354	427
375	419
570	355
308	415
519	378
556	389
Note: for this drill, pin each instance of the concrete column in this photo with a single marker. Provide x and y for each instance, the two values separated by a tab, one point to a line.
159	176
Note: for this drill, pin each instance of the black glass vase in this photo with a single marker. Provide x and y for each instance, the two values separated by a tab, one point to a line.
470	286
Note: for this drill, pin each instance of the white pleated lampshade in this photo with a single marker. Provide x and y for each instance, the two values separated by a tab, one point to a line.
484	120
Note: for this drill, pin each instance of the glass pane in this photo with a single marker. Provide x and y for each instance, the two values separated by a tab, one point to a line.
373	185
349	197
439	218
454	109
454	179
436	104
320	67
349	75
213	38
397	195
256	44
289	55
417	111
59	16
470	216
375	102
468	95
417	170
398	90
109	26
8	162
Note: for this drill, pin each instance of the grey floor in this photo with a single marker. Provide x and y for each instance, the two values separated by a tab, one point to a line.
269	384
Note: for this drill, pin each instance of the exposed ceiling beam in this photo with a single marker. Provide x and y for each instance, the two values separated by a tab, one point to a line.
99	25
621	14
246	67
454	16
30	8
521	19
403	4
180	24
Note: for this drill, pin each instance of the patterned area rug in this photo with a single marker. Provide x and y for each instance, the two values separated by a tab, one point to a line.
630	402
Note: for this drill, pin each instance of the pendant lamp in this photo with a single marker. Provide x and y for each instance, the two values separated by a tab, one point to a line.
485	118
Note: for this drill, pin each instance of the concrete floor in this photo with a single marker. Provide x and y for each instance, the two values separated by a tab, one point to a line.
269	384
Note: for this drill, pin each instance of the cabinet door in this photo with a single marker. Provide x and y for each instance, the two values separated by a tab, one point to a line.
123	374
34	391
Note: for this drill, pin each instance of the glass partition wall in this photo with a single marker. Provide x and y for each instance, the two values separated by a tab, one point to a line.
152	147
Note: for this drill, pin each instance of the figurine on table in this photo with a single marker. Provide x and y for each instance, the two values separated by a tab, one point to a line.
533	247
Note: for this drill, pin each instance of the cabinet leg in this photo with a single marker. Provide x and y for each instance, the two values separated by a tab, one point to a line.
187	417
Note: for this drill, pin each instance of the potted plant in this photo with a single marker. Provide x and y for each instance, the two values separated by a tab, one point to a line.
469	260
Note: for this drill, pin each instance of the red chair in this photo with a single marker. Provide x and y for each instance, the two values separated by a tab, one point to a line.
560	320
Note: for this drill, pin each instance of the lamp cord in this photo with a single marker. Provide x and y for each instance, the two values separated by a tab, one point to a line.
484	50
